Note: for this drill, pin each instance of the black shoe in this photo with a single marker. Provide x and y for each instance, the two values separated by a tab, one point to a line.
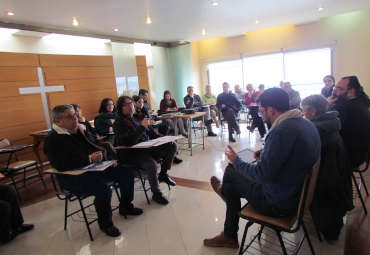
7	237
24	228
211	134
130	210
160	199
231	140
165	178
177	160
112	231
185	134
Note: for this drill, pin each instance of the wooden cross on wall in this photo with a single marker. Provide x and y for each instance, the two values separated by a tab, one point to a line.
42	89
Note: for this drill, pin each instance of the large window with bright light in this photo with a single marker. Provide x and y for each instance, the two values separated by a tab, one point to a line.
303	69
228	71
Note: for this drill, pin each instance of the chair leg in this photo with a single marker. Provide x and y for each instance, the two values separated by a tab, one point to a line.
85	218
364	184
65	213
144	188
249	223
260	232
359	194
317	230
308	238
40	175
15	187
281	242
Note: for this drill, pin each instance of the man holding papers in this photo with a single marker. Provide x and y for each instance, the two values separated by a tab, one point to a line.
68	149
128	132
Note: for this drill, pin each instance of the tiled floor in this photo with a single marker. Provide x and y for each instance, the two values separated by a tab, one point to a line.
178	228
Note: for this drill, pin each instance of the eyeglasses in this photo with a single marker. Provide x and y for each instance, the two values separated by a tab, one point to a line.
70	116
128	104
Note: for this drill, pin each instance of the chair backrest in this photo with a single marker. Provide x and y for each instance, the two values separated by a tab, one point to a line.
308	190
4	142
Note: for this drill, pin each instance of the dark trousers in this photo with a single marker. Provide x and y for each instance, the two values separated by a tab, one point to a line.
257	121
10	213
95	184
230	117
234	187
146	160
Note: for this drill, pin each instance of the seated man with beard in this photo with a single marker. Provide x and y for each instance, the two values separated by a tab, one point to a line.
272	185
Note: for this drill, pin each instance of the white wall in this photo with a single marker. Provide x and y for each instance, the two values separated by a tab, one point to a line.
47	45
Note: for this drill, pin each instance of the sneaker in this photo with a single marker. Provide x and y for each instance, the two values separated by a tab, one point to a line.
111	231
211	134
163	177
231	139
216	186
221	241
177	160
159	198
130	210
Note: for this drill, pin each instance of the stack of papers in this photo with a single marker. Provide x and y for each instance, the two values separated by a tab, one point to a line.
152	143
96	167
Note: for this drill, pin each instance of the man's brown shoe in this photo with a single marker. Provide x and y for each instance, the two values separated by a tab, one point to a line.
216	186
221	241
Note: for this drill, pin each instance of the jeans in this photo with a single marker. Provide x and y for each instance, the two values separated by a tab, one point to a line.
234	187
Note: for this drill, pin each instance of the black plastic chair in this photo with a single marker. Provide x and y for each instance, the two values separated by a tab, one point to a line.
67	196
15	167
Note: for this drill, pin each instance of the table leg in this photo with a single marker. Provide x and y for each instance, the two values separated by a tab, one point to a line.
203	126
190	136
175	126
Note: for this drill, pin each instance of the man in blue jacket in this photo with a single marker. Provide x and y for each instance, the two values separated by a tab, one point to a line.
272	185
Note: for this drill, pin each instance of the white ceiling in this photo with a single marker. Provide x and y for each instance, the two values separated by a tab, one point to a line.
173	20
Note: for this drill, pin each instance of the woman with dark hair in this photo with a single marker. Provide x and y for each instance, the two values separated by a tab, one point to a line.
90	131
107	115
168	104
329	82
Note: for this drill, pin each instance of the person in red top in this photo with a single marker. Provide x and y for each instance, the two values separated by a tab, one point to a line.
250	96
250	101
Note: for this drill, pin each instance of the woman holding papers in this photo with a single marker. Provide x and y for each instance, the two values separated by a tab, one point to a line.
168	104
128	132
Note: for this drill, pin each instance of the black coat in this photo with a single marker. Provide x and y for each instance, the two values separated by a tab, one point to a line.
355	118
230	100
333	194
103	122
128	132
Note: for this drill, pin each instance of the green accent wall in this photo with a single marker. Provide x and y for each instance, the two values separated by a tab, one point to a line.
181	69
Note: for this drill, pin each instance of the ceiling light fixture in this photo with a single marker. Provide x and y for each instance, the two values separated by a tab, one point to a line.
214	3
257	21
148	20
320	8
10	13
116	30
75	22
203	31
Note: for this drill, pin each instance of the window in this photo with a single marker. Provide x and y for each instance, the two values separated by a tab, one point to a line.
306	69
303	69
229	71
266	69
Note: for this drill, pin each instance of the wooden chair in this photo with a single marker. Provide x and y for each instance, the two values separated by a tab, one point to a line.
68	196
18	167
360	170
290	225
